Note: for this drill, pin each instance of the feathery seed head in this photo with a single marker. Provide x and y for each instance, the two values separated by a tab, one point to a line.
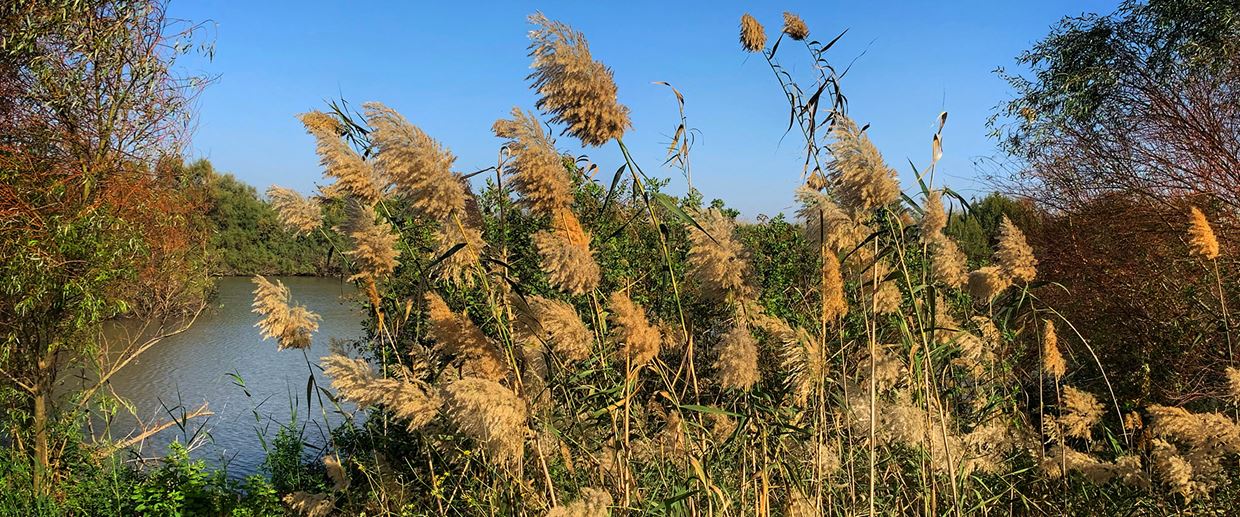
490	414
834	304
935	218
354	380
352	172
1013	255
862	180
537	169
565	255
297	213
1080	413
716	260
557	323
419	165
753	35
574	88
638	340
948	265
737	362
457	335
1052	361
986	283
826	224
374	250
1233	384
1201	239
795	27
462	266
290	325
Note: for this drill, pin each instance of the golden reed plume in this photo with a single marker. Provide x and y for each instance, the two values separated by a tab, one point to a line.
737	362
290	325
753	36
492	415
1052	360
537	169
795	27
638	340
1013	254
352	172
420	166
297	213
411	400
1201	239
716	260
374	250
574	88
862	180
457	335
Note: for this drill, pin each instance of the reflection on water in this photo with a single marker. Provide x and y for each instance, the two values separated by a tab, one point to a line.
198	365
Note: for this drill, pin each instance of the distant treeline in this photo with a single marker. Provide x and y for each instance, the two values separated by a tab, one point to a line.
246	237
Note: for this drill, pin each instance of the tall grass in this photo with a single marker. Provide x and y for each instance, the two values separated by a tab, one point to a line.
565	346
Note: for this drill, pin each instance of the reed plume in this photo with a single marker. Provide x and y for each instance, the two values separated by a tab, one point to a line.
737	362
1201	239
934	220
574	88
716	260
986	283
830	227
885	295
1233	384
1013	255
290	325
420	166
457	335
462	266
800	355
490	414
335	472
1209	432
834	305
1080	413
297	213
1052	361
309	504
411	400
374	250
753	35
948	265
637	339
862	180
795	27
537	169
557	323
565	255
1175	471
592	503
352	172
1060	460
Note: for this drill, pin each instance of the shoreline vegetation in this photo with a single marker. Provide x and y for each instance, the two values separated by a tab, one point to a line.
543	340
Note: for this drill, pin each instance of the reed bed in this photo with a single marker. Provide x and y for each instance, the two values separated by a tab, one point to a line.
563	345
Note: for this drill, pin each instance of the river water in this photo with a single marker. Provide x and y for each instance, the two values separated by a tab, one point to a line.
250	386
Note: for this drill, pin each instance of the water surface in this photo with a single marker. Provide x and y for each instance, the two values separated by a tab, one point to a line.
211	360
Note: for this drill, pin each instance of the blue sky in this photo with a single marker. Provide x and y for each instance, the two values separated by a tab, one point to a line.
453	68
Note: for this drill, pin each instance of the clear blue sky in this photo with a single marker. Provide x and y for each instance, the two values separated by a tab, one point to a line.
453	68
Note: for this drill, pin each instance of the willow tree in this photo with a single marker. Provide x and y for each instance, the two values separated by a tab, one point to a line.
92	220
